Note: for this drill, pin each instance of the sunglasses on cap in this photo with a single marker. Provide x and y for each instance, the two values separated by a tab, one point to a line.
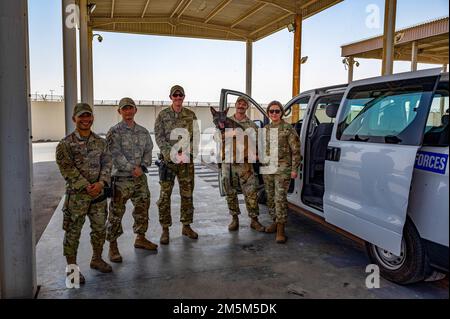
277	111
177	95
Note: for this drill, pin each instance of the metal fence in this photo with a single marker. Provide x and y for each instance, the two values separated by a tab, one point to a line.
46	98
60	98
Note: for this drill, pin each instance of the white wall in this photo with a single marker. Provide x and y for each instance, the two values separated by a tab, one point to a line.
48	118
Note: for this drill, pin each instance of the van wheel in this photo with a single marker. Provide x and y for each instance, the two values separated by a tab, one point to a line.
412	264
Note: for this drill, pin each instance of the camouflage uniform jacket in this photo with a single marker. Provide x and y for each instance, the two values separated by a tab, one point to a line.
288	146
169	120
129	147
83	161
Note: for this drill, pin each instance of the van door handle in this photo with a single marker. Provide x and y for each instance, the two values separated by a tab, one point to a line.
333	154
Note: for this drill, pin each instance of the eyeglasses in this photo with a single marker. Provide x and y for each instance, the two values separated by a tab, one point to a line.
178	95
277	111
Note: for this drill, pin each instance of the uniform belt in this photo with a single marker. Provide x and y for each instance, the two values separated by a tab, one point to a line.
99	199
124	177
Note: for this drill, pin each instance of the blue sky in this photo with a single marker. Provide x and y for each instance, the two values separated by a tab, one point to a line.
144	67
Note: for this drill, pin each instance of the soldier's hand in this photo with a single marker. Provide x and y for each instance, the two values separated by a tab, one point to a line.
294	175
94	189
182	158
137	171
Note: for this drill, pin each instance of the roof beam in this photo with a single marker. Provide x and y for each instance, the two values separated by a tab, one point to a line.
112	8
432	44
311	8
217	9
436	49
97	22
308	3
145	9
184	8
249	13
243	34
271	23
280	4
177	8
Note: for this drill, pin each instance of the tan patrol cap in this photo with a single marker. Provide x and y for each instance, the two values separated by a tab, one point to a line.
176	88
126	101
243	98
81	108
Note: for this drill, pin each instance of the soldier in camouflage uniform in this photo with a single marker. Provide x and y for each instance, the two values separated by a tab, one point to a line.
176	162
131	148
85	163
234	174
277	184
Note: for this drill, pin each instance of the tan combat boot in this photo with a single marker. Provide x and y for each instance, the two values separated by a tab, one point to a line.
256	225
187	231
98	263
281	237
72	260
143	243
164	240
272	228
114	254
234	225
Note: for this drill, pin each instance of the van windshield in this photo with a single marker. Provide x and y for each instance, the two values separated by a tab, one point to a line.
386	112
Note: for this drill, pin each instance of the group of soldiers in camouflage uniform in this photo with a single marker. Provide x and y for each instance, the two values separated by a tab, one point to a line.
95	168
242	174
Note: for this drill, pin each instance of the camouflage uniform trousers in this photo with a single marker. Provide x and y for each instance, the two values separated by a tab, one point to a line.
243	174
75	209
185	175
277	186
127	188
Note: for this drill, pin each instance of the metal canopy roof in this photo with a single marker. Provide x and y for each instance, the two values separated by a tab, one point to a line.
239	20
432	39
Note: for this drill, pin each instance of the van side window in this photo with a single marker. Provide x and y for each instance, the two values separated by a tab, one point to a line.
386	112
302	107
436	131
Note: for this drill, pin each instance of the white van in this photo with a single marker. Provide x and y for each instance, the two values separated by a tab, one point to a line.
375	164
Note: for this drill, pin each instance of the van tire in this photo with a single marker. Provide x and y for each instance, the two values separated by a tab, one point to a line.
415	266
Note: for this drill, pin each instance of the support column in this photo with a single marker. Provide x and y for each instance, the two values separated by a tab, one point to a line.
390	11
70	62
414	53
351	63
442	101
87	86
296	65
249	68
17	252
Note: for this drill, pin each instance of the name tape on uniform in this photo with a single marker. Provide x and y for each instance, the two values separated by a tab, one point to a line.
432	162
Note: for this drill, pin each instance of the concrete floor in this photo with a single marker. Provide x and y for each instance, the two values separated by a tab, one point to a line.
315	263
48	187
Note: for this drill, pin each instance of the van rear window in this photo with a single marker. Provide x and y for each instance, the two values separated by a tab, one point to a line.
436	131
388	112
